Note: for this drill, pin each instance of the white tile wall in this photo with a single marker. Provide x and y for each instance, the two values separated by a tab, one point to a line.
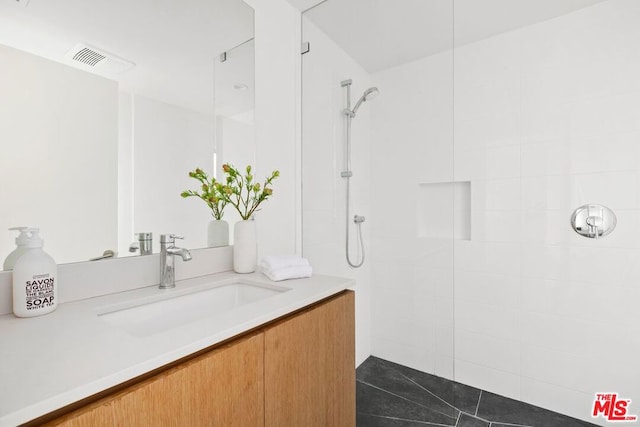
546	158
552	311
415	356
323	190
557	398
444	208
546	119
491	352
543	119
487	288
488	319
487	378
545	192
412	156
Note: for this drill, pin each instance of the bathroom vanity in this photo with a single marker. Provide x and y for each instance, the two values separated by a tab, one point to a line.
283	359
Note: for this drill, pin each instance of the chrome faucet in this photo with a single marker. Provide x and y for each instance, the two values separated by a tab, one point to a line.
168	251
144	244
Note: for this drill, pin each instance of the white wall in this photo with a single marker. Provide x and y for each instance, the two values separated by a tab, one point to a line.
323	190
125	173
59	130
277	74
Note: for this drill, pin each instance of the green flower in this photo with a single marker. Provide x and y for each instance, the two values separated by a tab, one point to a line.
210	192
242	194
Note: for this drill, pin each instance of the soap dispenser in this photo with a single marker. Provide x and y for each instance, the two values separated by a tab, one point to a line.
21	248
35	279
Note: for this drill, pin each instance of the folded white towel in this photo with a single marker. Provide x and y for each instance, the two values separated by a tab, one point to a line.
295	272
275	262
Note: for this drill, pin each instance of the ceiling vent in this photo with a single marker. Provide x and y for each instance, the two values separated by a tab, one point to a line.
97	59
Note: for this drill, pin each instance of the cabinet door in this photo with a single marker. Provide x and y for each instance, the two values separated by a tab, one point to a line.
223	387
310	367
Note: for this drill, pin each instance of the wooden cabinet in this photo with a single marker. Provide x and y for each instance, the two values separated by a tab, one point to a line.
309	367
297	371
223	387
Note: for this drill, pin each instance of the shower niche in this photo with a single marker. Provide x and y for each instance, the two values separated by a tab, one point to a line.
444	210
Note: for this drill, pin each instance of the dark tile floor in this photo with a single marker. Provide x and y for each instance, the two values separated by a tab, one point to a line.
393	395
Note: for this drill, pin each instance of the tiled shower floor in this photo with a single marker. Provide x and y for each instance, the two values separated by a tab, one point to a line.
396	396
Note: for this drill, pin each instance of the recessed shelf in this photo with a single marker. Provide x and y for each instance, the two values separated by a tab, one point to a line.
444	210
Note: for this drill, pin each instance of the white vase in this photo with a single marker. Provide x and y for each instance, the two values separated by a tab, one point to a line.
218	233
245	247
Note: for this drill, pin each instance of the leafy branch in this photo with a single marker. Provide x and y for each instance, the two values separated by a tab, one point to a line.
211	191
243	193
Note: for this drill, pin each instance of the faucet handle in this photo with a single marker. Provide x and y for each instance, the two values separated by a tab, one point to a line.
169	238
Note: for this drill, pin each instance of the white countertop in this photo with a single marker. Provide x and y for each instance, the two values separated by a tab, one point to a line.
50	361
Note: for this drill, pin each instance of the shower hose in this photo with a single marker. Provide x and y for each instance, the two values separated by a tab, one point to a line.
358	220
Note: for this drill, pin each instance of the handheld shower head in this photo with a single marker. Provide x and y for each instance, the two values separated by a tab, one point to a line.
371	93
368	94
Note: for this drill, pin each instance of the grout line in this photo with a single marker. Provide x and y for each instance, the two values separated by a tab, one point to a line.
406	419
430	392
408	400
508	424
479	418
478	404
313	7
453	173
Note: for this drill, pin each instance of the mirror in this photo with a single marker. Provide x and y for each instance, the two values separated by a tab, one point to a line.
105	108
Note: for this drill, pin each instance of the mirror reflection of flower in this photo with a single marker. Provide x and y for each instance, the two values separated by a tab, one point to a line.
211	191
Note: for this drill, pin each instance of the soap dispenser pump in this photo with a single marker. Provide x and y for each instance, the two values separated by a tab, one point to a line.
21	242
35	279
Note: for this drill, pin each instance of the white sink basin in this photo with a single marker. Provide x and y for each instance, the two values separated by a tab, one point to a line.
161	312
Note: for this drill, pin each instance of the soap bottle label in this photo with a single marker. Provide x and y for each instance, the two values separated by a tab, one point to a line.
40	292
